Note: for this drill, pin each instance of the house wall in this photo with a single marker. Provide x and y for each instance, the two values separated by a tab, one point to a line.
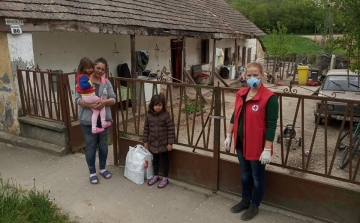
193	53
60	50
64	50
260	54
251	43
16	52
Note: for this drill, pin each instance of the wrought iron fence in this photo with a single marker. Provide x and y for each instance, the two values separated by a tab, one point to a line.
44	93
312	152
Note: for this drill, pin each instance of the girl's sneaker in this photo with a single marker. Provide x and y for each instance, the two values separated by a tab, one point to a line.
97	130
153	180
163	183
105	124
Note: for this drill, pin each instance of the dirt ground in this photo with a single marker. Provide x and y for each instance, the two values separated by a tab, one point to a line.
317	38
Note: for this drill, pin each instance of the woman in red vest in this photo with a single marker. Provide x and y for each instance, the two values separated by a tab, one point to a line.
253	125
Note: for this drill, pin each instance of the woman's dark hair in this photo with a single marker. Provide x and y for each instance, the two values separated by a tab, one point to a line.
85	63
157	99
101	60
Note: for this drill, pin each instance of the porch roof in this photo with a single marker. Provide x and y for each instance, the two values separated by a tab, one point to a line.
204	16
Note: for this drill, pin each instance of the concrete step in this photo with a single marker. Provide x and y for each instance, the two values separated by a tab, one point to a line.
34	144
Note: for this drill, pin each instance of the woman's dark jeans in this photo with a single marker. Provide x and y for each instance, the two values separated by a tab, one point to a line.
94	141
252	178
165	163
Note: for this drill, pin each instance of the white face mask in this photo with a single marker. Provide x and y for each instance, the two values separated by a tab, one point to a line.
253	82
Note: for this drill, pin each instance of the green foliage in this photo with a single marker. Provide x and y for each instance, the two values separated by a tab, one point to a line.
299	45
121	135
110	141
190	108
18	206
350	20
300	16
280	42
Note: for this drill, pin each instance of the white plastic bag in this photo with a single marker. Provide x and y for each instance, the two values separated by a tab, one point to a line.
135	165
149	170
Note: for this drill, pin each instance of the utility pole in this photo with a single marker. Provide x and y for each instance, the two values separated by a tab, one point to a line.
328	26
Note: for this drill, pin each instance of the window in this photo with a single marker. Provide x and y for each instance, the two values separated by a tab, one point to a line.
204	51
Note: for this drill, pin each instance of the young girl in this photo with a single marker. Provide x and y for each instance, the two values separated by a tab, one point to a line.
159	135
87	91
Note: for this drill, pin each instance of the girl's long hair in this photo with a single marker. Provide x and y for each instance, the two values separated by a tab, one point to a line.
85	63
157	99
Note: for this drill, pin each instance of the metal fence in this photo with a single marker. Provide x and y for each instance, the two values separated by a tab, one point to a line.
307	160
194	109
45	94
303	175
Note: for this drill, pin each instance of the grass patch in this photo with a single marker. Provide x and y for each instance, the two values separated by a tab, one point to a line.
300	45
19	206
191	109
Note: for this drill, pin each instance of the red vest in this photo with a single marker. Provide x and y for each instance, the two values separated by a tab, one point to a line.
254	122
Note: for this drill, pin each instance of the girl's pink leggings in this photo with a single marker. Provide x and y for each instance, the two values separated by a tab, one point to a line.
90	99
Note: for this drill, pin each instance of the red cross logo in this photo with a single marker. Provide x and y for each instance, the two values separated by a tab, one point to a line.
255	108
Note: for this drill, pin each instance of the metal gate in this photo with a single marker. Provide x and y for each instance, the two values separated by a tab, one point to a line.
49	95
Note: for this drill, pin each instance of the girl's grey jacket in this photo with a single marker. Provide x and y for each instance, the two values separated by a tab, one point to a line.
86	113
159	131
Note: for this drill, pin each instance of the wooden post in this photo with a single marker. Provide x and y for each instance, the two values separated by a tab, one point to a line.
217	133
213	64
183	61
236	58
133	73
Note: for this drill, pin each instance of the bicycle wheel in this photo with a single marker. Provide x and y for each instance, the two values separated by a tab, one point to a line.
344	159
345	141
346	154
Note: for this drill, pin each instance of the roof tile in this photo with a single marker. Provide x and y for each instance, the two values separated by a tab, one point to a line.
212	16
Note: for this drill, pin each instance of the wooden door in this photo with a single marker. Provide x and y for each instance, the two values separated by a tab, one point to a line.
176	59
243	57
249	55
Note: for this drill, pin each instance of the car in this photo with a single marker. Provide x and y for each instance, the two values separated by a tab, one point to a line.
337	84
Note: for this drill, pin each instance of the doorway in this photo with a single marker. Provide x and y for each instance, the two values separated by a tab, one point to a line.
249	55
176	59
243	58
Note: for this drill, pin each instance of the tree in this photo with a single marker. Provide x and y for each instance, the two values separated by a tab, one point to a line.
348	15
351	23
280	45
300	16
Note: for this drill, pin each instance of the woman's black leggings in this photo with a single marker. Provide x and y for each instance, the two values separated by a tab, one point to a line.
165	163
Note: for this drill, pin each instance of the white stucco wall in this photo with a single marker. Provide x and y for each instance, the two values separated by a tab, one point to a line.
251	43
64	50
21	56
193	52
21	50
